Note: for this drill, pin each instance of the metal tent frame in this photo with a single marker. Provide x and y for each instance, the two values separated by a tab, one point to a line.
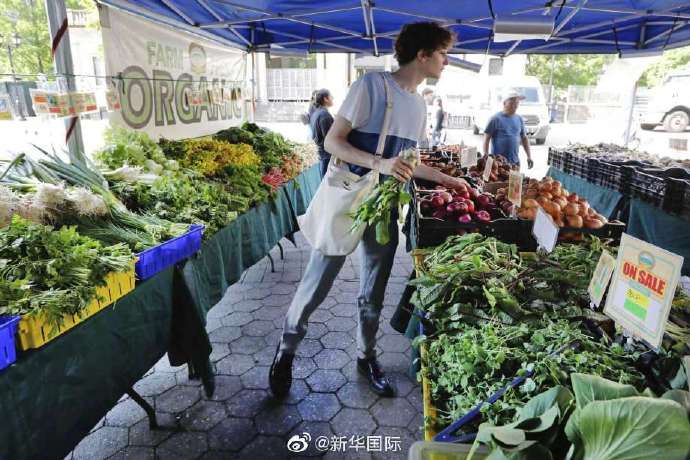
582	26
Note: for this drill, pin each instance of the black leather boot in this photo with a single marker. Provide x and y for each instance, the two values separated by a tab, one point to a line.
280	375
378	382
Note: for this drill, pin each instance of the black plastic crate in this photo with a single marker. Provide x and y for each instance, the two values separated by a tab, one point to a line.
579	166
677	196
557	158
649	184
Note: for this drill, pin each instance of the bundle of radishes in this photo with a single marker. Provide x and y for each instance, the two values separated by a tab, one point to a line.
464	205
567	209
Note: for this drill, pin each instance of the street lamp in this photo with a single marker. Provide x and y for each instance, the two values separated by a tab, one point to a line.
11	43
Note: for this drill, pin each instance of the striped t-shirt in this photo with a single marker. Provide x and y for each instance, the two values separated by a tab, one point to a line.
365	106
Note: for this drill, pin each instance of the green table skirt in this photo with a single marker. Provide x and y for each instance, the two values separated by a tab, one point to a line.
662	229
53	396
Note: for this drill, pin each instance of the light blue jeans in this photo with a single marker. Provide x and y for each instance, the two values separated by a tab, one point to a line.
376	263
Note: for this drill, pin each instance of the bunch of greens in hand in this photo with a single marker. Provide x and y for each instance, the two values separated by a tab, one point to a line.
53	272
377	208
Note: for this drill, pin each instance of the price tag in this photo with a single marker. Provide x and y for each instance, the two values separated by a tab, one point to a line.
5	108
601	277
487	168
644	284
468	157
112	98
545	231
515	188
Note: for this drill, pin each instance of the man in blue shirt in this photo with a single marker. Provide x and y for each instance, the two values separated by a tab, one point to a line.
506	131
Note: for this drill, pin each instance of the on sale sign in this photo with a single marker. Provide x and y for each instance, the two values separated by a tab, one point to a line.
643	288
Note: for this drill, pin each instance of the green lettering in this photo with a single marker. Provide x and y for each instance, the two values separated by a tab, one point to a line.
135	77
206	105
163	97
185	112
235	98
150	50
160	56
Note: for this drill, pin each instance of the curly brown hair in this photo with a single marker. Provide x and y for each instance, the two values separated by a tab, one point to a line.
421	36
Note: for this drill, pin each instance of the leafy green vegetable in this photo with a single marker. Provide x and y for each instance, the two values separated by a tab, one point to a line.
611	422
588	388
632	428
52	271
379	205
130	147
271	147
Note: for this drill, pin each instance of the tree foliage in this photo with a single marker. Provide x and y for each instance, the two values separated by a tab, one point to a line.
568	69
28	19
671	60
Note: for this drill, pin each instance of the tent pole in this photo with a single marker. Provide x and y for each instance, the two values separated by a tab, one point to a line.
630	114
62	55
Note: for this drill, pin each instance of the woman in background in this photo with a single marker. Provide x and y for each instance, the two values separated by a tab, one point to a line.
320	121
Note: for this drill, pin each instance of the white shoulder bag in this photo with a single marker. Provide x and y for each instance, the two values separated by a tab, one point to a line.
326	224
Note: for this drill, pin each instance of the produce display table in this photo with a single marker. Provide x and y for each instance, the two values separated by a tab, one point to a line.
53	396
606	201
646	222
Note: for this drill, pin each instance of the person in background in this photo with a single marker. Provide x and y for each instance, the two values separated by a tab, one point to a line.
320	121
305	116
506	131
439	121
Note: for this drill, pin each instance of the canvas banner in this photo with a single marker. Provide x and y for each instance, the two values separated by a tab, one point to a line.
171	83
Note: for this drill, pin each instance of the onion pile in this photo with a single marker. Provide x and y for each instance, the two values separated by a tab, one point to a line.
567	209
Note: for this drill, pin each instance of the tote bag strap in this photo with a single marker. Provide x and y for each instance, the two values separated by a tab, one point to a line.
386	118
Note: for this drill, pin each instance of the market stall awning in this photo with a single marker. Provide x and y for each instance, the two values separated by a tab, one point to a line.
302	26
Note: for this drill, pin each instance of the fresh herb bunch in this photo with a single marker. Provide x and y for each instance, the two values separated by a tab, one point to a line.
271	147
53	272
468	368
210	157
379	205
491	313
215	205
133	148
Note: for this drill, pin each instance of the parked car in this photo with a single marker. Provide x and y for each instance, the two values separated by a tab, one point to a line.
669	104
533	109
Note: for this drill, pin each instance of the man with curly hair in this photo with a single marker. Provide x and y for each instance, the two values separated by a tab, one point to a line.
421	50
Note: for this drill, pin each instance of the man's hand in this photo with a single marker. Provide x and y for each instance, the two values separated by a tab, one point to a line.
530	163
397	168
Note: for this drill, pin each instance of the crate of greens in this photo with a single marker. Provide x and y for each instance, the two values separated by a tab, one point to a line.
158	258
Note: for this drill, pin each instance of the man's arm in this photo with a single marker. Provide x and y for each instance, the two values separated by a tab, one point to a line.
525	145
336	144
487	140
434	175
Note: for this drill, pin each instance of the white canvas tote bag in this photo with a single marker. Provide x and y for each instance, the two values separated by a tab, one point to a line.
327	223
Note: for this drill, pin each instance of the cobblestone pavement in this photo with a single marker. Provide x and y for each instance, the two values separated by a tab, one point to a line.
328	397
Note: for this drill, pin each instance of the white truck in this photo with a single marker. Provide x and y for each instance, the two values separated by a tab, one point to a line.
533	109
669	104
